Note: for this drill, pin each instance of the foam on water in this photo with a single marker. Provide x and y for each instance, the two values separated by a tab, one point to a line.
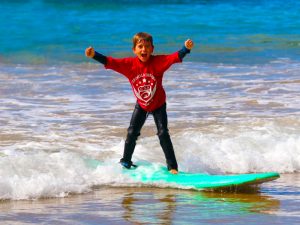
255	149
35	169
222	118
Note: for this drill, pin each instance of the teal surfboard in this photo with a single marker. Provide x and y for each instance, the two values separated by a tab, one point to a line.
156	175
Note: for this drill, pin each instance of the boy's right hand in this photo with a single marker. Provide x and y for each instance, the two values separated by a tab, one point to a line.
90	52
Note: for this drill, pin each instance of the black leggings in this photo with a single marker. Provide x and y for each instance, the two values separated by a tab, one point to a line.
137	121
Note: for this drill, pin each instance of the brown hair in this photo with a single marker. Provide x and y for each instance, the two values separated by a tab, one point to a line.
141	36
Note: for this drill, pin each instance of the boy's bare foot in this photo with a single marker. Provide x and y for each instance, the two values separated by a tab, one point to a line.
173	171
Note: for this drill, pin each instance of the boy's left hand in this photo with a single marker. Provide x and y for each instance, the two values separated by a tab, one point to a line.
189	44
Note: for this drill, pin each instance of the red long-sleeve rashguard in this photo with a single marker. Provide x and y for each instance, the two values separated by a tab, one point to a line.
145	77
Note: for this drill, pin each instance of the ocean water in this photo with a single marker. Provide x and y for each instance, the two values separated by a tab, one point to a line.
233	107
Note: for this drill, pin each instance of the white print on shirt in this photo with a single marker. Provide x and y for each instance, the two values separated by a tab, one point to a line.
144	87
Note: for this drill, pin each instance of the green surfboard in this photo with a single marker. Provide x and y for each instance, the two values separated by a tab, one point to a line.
154	175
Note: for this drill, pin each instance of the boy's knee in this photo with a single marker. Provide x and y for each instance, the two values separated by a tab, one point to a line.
163	133
132	134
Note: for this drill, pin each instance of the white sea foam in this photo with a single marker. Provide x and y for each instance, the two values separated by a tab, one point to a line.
30	176
241	152
222	119
29	173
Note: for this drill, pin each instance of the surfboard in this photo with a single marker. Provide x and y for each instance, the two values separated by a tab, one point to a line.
202	181
157	175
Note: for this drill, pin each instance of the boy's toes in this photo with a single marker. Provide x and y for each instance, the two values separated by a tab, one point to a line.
173	171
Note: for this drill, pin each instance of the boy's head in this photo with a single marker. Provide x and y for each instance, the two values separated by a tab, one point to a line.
142	46
142	36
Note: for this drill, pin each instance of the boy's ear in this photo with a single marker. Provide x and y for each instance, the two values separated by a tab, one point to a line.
152	48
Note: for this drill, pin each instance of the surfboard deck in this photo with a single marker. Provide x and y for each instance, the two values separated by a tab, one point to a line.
151	174
203	181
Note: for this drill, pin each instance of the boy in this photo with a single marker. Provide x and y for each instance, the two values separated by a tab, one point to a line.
145	74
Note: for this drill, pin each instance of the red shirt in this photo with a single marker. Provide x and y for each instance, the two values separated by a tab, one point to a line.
145	78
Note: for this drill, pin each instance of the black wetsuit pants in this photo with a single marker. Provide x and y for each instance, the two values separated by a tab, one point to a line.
138	119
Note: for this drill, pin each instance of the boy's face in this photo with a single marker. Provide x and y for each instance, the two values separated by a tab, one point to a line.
143	50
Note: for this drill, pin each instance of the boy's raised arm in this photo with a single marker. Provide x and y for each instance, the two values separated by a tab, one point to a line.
91	53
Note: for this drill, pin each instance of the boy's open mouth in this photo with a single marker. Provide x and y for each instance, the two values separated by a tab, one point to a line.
144	55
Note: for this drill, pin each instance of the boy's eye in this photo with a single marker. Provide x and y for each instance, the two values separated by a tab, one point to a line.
142	46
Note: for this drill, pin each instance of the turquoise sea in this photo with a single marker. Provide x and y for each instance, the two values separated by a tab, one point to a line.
230	31
233	107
